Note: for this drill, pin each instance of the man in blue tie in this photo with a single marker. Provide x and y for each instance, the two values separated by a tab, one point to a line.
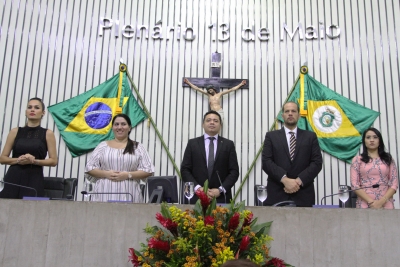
292	159
211	157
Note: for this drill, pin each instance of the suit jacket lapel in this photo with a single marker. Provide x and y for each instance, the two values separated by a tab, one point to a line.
284	143
299	139
202	147
219	147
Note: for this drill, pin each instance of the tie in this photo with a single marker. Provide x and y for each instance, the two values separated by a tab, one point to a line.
211	156
292	146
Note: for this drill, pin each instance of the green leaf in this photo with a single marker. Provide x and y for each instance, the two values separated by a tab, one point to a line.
263	226
212	206
165	211
205	187
198	209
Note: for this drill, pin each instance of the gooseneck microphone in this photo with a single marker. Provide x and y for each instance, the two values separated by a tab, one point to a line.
371	186
106	193
22	186
219	179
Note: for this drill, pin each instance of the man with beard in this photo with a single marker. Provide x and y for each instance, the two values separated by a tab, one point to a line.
214	97
292	159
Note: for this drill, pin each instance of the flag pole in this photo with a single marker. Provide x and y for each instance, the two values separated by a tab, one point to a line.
262	145
153	123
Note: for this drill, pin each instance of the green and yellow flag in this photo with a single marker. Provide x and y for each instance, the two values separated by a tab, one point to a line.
338	122
85	120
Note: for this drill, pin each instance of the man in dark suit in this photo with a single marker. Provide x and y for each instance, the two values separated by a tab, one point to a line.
213	158
292	159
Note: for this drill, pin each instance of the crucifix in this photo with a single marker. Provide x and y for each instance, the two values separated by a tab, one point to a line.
212	85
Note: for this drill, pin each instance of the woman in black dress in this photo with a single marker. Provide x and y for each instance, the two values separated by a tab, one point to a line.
29	146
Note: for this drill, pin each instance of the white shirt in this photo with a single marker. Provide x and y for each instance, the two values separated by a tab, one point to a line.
207	145
287	132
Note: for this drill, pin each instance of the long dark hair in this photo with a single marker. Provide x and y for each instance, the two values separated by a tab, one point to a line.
130	145
385	156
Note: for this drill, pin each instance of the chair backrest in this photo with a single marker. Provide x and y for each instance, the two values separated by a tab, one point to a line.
60	188
286	203
169	185
142	189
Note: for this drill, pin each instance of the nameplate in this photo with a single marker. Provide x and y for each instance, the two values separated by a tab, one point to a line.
35	198
118	201
326	206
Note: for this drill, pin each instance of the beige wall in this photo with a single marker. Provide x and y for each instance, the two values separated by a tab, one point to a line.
61	233
51	49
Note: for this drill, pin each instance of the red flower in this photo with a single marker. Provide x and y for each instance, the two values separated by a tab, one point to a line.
234	222
133	258
275	262
247	221
159	244
204	200
168	224
209	220
244	244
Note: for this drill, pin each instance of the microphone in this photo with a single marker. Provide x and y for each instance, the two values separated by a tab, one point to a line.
219	179
106	193
371	186
22	186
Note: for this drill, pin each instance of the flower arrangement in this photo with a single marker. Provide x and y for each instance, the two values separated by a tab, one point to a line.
208	235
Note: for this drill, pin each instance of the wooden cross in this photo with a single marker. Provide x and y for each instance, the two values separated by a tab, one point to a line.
215	79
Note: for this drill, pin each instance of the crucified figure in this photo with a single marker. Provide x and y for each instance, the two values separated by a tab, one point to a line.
214	97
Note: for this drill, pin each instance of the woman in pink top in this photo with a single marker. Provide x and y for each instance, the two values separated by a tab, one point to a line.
374	166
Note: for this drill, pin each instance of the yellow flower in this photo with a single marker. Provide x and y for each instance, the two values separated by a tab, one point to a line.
258	259
225	255
200	245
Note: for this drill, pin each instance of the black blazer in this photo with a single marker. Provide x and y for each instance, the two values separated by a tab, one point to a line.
306	165
194	166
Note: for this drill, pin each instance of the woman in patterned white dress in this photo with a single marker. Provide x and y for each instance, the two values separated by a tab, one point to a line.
118	165
374	166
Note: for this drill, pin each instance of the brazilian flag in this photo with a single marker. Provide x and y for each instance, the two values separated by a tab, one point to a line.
85	120
337	121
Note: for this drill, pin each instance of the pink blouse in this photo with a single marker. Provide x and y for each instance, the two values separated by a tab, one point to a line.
374	172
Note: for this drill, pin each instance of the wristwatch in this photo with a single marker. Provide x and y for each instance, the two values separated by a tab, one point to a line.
129	175
220	190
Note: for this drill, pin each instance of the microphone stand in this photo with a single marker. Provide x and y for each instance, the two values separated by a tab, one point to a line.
219	179
372	186
18	185
106	193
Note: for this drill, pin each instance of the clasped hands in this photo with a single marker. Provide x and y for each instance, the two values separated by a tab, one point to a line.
376	204
291	185
116	176
211	192
26	159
